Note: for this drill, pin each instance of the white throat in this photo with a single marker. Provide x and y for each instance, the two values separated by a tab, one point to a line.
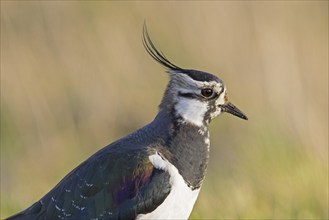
191	110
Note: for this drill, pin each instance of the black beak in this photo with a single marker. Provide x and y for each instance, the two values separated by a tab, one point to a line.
230	108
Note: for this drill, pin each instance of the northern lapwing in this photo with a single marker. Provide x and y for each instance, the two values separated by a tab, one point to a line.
155	172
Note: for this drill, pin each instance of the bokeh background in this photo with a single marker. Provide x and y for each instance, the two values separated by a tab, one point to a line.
75	77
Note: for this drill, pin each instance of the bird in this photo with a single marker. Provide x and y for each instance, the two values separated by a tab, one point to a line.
155	172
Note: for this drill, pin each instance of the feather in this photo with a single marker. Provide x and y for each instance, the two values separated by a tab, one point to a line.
156	54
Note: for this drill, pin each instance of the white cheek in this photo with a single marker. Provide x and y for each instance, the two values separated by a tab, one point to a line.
191	110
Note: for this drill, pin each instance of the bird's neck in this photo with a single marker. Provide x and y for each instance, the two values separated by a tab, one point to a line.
188	146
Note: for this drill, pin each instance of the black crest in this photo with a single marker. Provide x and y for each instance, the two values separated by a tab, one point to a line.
157	55
162	59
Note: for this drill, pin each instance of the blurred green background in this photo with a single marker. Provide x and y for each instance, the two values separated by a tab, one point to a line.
75	77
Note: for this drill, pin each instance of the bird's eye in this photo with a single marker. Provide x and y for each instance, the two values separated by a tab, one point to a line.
207	92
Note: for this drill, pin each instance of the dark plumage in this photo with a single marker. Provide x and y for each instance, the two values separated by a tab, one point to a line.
115	183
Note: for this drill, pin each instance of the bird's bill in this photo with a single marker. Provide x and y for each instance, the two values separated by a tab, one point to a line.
232	109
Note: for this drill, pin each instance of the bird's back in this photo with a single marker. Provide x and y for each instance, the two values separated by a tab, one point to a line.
111	184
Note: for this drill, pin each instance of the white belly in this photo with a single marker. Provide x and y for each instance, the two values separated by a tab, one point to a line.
180	201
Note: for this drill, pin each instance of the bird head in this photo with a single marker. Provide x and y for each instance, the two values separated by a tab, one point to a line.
193	96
